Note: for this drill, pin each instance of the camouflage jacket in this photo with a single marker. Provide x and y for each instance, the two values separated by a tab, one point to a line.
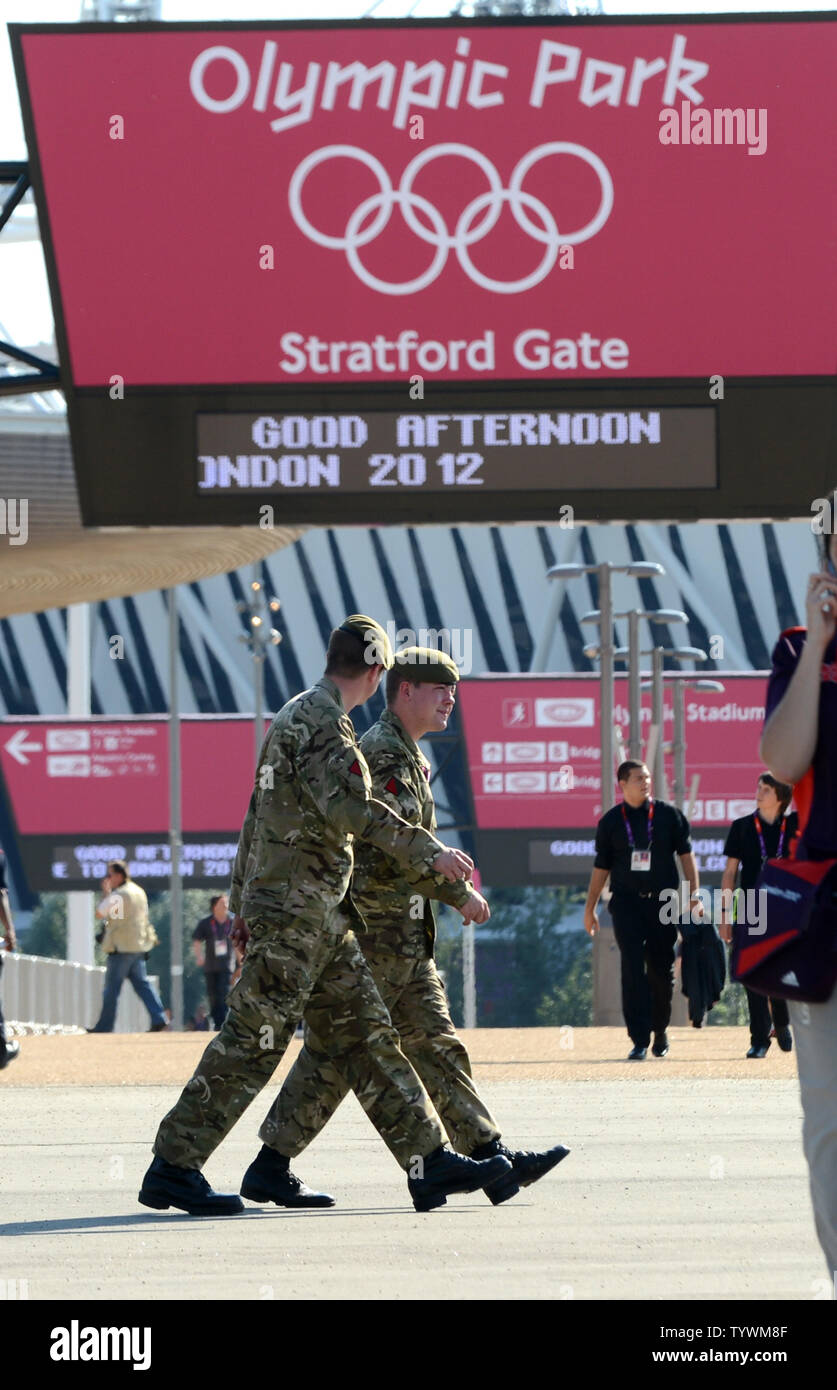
396	905
312	795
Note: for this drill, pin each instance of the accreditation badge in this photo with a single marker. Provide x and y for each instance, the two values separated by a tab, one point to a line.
641	861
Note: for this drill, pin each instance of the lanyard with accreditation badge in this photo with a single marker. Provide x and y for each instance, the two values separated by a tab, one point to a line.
762	846
640	858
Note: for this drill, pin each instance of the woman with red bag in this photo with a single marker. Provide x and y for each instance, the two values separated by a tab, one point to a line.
799	744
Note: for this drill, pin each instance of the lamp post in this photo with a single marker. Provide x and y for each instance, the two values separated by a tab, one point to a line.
175	821
258	638
681	683
606	1005
640	569
635	616
658	655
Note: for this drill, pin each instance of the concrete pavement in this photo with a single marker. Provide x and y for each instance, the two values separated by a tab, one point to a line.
677	1187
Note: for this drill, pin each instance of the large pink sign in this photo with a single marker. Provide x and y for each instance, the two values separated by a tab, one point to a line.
111	776
535	755
459	202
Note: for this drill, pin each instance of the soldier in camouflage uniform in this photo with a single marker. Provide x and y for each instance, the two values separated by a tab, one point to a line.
398	944
312	795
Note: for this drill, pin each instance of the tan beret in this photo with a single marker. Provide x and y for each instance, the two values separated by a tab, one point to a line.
378	647
428	664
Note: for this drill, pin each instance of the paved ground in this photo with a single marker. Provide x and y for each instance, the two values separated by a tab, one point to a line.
686	1180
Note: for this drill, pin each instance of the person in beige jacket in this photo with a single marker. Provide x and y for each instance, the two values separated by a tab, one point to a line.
128	936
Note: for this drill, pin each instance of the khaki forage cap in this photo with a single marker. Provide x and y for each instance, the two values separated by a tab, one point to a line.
429	664
378	646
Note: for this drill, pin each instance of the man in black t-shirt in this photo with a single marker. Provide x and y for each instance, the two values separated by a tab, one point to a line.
213	951
766	834
636	847
9	1049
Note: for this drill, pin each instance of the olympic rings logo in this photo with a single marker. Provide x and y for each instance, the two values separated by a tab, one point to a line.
473	224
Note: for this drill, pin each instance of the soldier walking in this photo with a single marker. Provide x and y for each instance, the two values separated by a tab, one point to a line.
312	795
398	944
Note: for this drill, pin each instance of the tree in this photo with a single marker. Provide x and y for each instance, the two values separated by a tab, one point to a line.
449	959
502	9
46	934
570	1001
731	1009
528	971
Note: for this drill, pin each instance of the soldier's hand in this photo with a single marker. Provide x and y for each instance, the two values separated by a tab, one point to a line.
591	921
475	909
240	934
453	865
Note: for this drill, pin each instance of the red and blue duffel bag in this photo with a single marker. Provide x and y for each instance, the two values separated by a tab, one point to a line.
791	952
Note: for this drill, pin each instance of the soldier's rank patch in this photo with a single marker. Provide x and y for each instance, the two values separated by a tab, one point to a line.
356	768
392	786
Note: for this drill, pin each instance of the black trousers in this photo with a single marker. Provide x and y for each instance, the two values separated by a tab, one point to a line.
2	1021
646	947
217	988
760	1021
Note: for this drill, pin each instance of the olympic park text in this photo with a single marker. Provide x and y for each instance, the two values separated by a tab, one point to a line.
533	348
413	86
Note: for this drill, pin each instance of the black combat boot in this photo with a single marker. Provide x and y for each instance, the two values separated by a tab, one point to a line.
526	1168
166	1186
446	1172
269	1179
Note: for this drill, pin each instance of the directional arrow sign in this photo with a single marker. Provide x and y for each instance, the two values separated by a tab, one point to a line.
18	747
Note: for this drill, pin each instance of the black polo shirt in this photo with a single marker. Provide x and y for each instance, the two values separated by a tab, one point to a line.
670	832
743	843
210	931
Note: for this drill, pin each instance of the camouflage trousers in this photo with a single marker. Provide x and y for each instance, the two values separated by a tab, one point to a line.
293	967
318	1080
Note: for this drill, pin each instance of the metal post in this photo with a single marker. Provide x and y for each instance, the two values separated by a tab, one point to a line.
469	975
634	695
606	701
658	770
175	823
258	687
679	695
80	906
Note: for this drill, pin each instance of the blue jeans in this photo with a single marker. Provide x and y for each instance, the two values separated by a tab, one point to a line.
122	966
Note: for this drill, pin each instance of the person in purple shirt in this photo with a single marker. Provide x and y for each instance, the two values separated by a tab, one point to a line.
799	744
214	953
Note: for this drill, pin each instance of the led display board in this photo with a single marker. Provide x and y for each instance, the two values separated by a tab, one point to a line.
588	219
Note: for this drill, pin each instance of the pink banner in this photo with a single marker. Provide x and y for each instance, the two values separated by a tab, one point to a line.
535	755
459	203
111	777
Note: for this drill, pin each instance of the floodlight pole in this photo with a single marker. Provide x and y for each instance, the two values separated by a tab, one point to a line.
175	819
634	693
657	717
604	573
